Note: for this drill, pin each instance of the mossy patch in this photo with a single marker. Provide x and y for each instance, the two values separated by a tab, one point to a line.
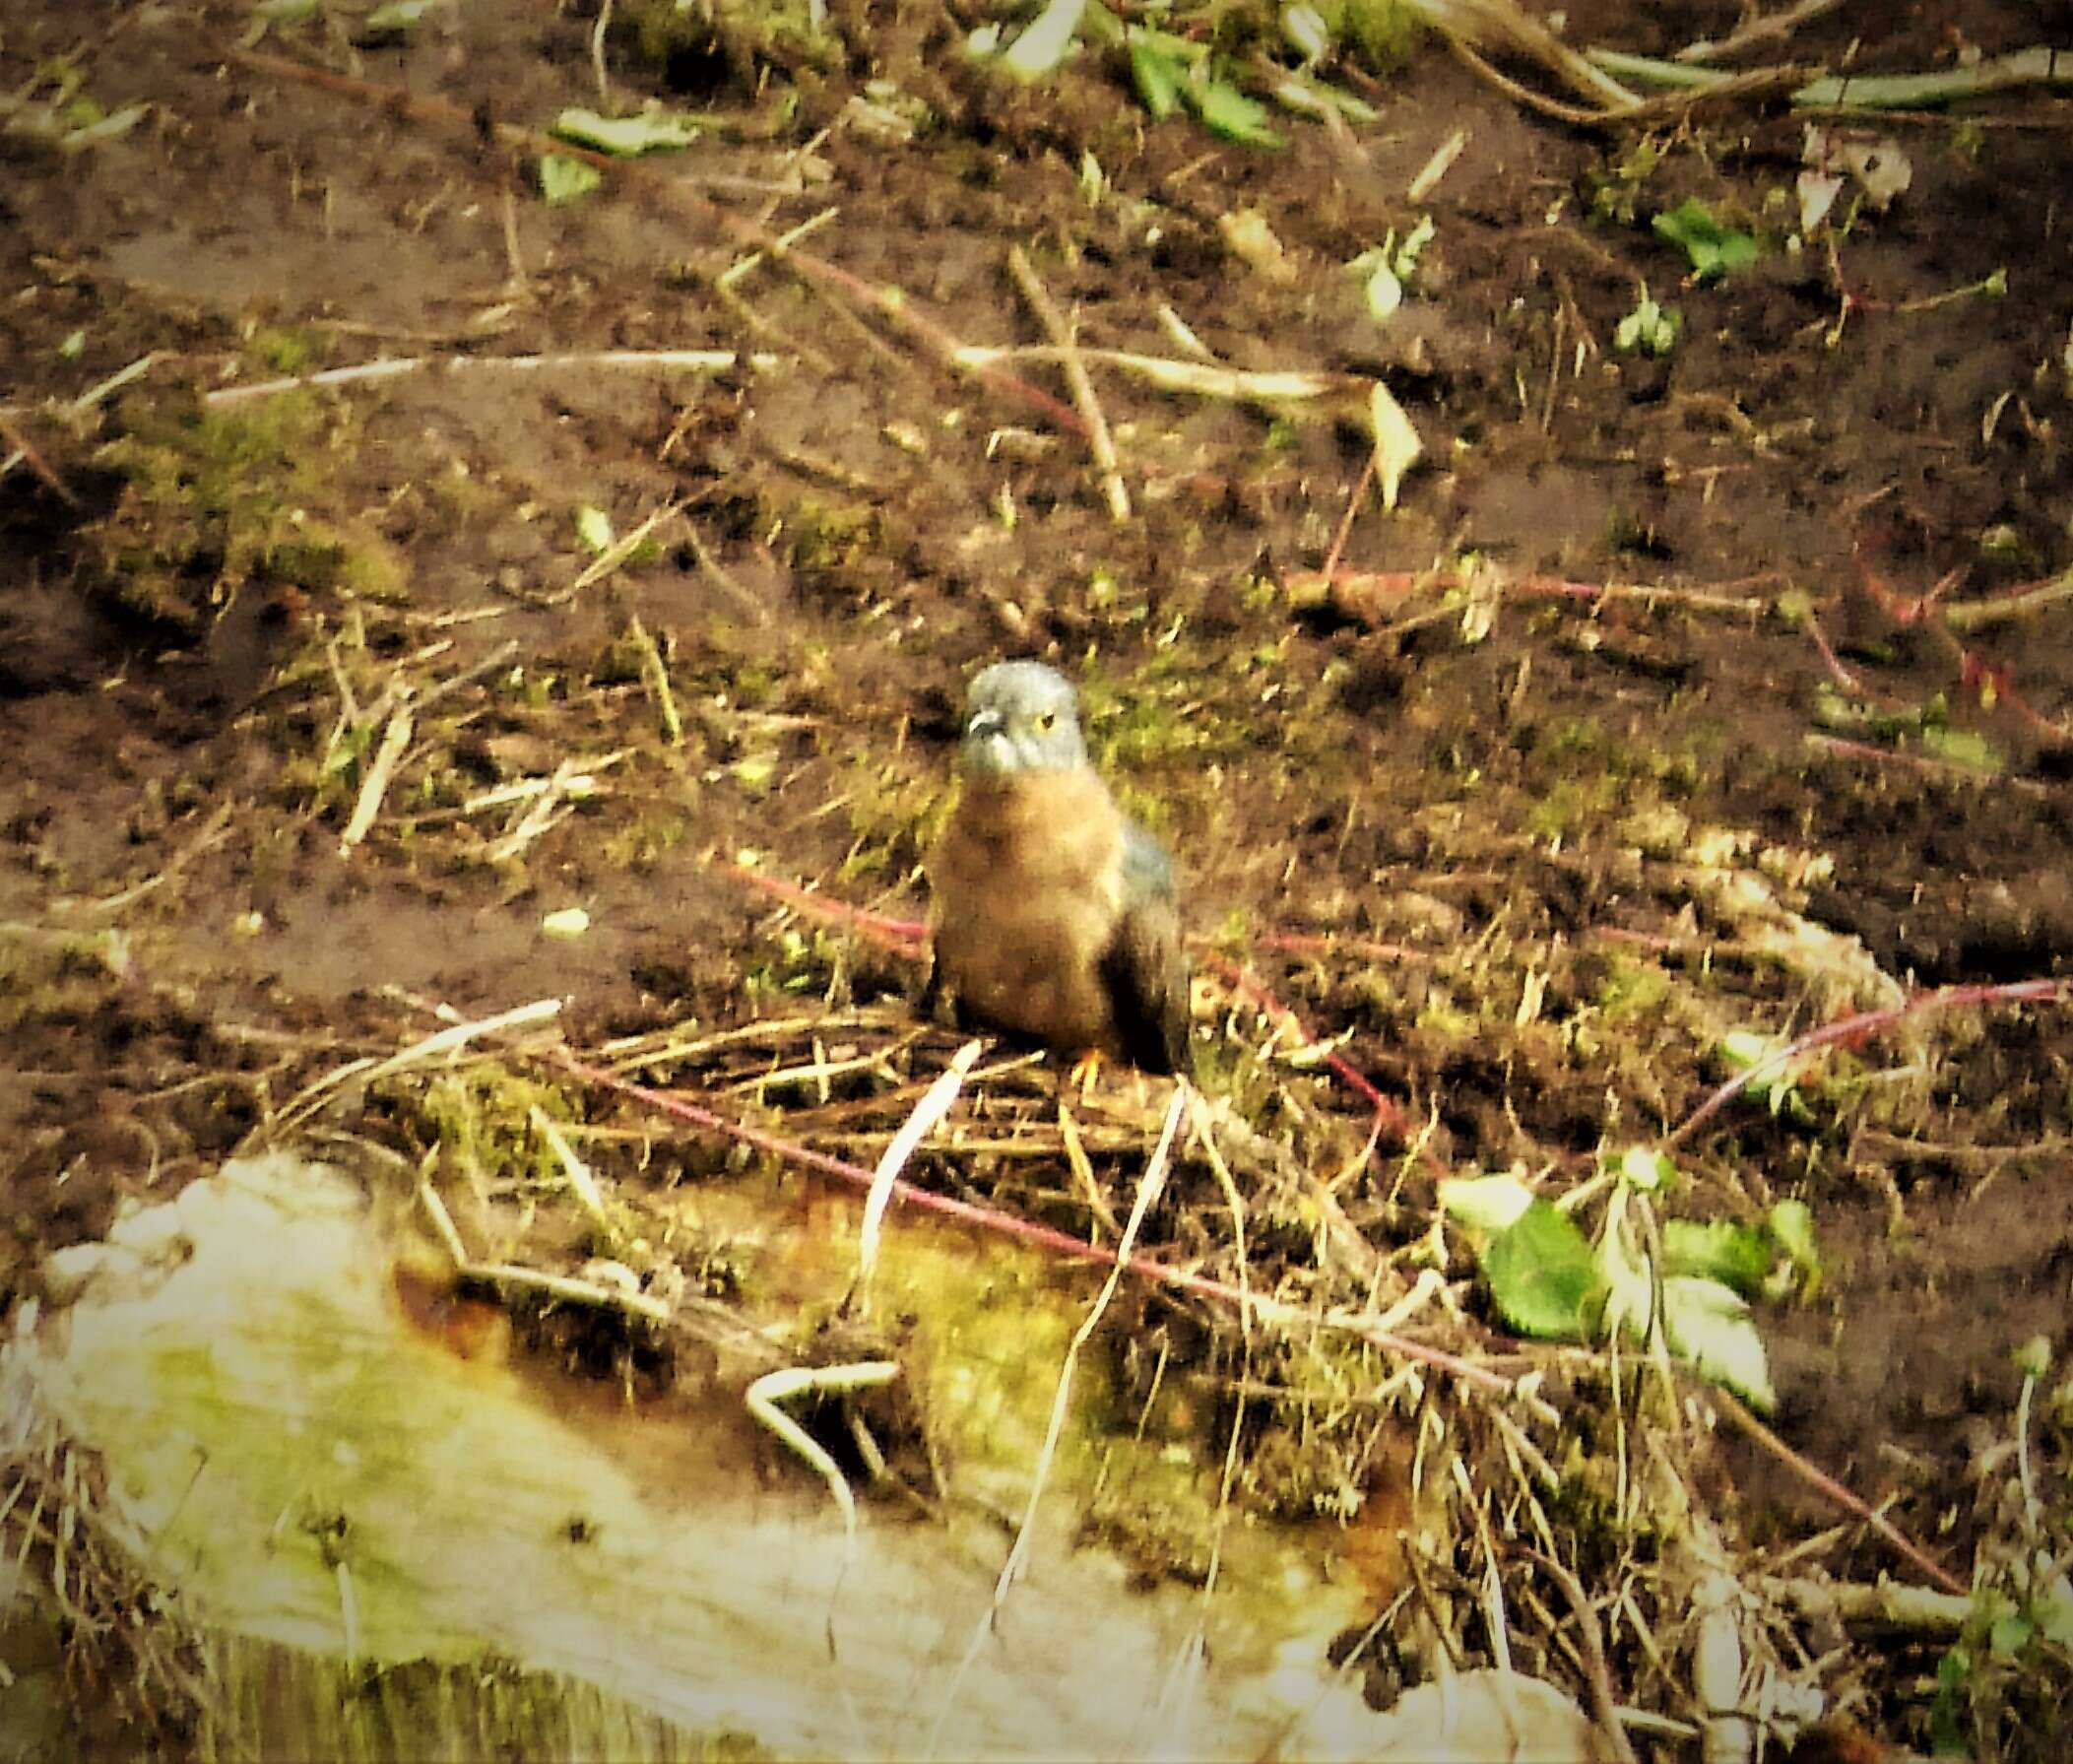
213	503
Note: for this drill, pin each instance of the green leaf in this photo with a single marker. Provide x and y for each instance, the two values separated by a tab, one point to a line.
1714	249
1484	1203
1718	1250
91	133
1157	74
594	528
654	130
1645	1168
1650	328
1791	1224
1227	111
1954	1674
2052	1607
1742	1050
2009	1634
564	179
1709	1325
1961	746
1541	1275
397	19
1047	42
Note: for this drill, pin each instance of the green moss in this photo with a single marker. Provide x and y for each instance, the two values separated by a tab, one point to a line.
739	34
284	351
827	535
1385	32
212	502
479	1118
640	846
1631	989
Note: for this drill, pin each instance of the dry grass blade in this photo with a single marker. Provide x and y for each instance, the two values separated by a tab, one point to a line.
1099	441
432	1047
927	1114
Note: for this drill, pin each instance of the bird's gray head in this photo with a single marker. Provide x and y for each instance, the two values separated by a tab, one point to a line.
1021	717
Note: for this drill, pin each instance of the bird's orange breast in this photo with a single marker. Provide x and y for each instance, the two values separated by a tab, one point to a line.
1027	888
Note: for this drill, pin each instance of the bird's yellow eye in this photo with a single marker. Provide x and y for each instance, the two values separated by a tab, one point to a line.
1047	720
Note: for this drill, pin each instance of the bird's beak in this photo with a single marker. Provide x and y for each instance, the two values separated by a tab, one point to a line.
984	745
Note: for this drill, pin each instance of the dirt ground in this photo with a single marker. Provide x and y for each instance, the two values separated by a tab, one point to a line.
1460	785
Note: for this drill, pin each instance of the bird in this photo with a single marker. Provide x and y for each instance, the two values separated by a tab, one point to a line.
1054	915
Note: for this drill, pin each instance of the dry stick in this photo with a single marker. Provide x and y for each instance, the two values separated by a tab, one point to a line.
1596	1670
928	1114
1030	1232
891	303
1099	442
27	454
710	359
597	51
1867	1022
1756	29
2016	602
1526	94
1345	525
1844	749
1835	1492
80	406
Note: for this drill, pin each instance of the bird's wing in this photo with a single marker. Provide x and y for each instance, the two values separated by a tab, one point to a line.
1144	968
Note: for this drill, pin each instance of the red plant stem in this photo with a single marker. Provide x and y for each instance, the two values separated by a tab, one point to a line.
1330	943
1869	1022
1839	674
1001	1223
1838	1493
903	936
1844	749
1345	526
1388	1115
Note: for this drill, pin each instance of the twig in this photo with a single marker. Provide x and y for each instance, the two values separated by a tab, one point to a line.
2038	66
596	53
1842	1496
656	674
703	359
25	452
1345	525
394	740
1099	441
212	830
716	573
1603	1704
773	1388
445	1041
566	1287
2020	603
1756	28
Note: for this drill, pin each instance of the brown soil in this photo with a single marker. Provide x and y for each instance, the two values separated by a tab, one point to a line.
188	713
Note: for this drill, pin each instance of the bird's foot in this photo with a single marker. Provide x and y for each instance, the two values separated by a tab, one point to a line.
1085	1070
